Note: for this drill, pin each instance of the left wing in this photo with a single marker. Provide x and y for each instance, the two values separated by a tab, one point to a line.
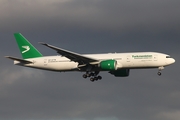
82	60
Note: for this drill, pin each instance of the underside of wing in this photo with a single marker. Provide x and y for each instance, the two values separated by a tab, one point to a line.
82	60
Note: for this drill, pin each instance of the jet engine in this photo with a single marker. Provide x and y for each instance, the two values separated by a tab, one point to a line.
120	72
108	65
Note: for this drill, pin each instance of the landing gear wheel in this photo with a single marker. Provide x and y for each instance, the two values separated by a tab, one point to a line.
96	78
92	75
99	77
84	76
159	73
88	75
92	79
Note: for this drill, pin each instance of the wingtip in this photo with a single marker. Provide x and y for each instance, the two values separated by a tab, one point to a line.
6	56
42	43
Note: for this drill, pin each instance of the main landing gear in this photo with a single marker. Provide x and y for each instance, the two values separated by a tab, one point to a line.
93	76
160	69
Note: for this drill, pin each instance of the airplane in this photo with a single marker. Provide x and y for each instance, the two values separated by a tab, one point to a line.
117	64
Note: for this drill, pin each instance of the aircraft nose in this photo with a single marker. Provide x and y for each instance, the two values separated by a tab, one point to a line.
171	60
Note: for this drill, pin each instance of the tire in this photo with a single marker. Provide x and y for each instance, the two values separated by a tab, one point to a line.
92	79
159	73
84	76
99	77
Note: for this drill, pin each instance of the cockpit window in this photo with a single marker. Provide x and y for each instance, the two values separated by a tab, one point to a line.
168	57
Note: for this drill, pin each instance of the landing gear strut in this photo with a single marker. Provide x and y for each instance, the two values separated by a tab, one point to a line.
93	76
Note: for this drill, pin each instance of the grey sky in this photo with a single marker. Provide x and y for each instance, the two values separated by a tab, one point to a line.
96	26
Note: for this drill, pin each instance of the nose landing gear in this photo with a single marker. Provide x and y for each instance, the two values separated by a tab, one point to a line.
93	76
159	73
160	69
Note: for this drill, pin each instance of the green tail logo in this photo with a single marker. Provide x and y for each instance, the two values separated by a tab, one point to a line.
26	48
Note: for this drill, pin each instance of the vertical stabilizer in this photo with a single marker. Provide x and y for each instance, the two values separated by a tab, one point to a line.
26	48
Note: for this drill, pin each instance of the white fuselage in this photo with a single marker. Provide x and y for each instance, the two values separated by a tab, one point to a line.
134	60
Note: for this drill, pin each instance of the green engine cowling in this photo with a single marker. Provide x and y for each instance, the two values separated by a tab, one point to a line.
120	72
108	65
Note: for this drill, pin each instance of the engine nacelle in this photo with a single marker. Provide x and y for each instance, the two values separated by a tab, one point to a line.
120	72
108	65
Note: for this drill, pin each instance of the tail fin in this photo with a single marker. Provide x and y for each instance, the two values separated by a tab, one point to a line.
26	48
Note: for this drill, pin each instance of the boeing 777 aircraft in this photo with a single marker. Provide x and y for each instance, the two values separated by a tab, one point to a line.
117	64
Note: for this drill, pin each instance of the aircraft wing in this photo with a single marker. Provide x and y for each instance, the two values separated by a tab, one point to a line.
72	55
18	59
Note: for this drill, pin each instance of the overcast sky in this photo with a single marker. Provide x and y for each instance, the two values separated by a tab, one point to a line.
90	26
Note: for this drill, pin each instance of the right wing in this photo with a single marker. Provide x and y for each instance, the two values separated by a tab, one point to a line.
82	60
18	59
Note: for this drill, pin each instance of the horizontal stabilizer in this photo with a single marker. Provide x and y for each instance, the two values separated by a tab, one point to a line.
19	59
